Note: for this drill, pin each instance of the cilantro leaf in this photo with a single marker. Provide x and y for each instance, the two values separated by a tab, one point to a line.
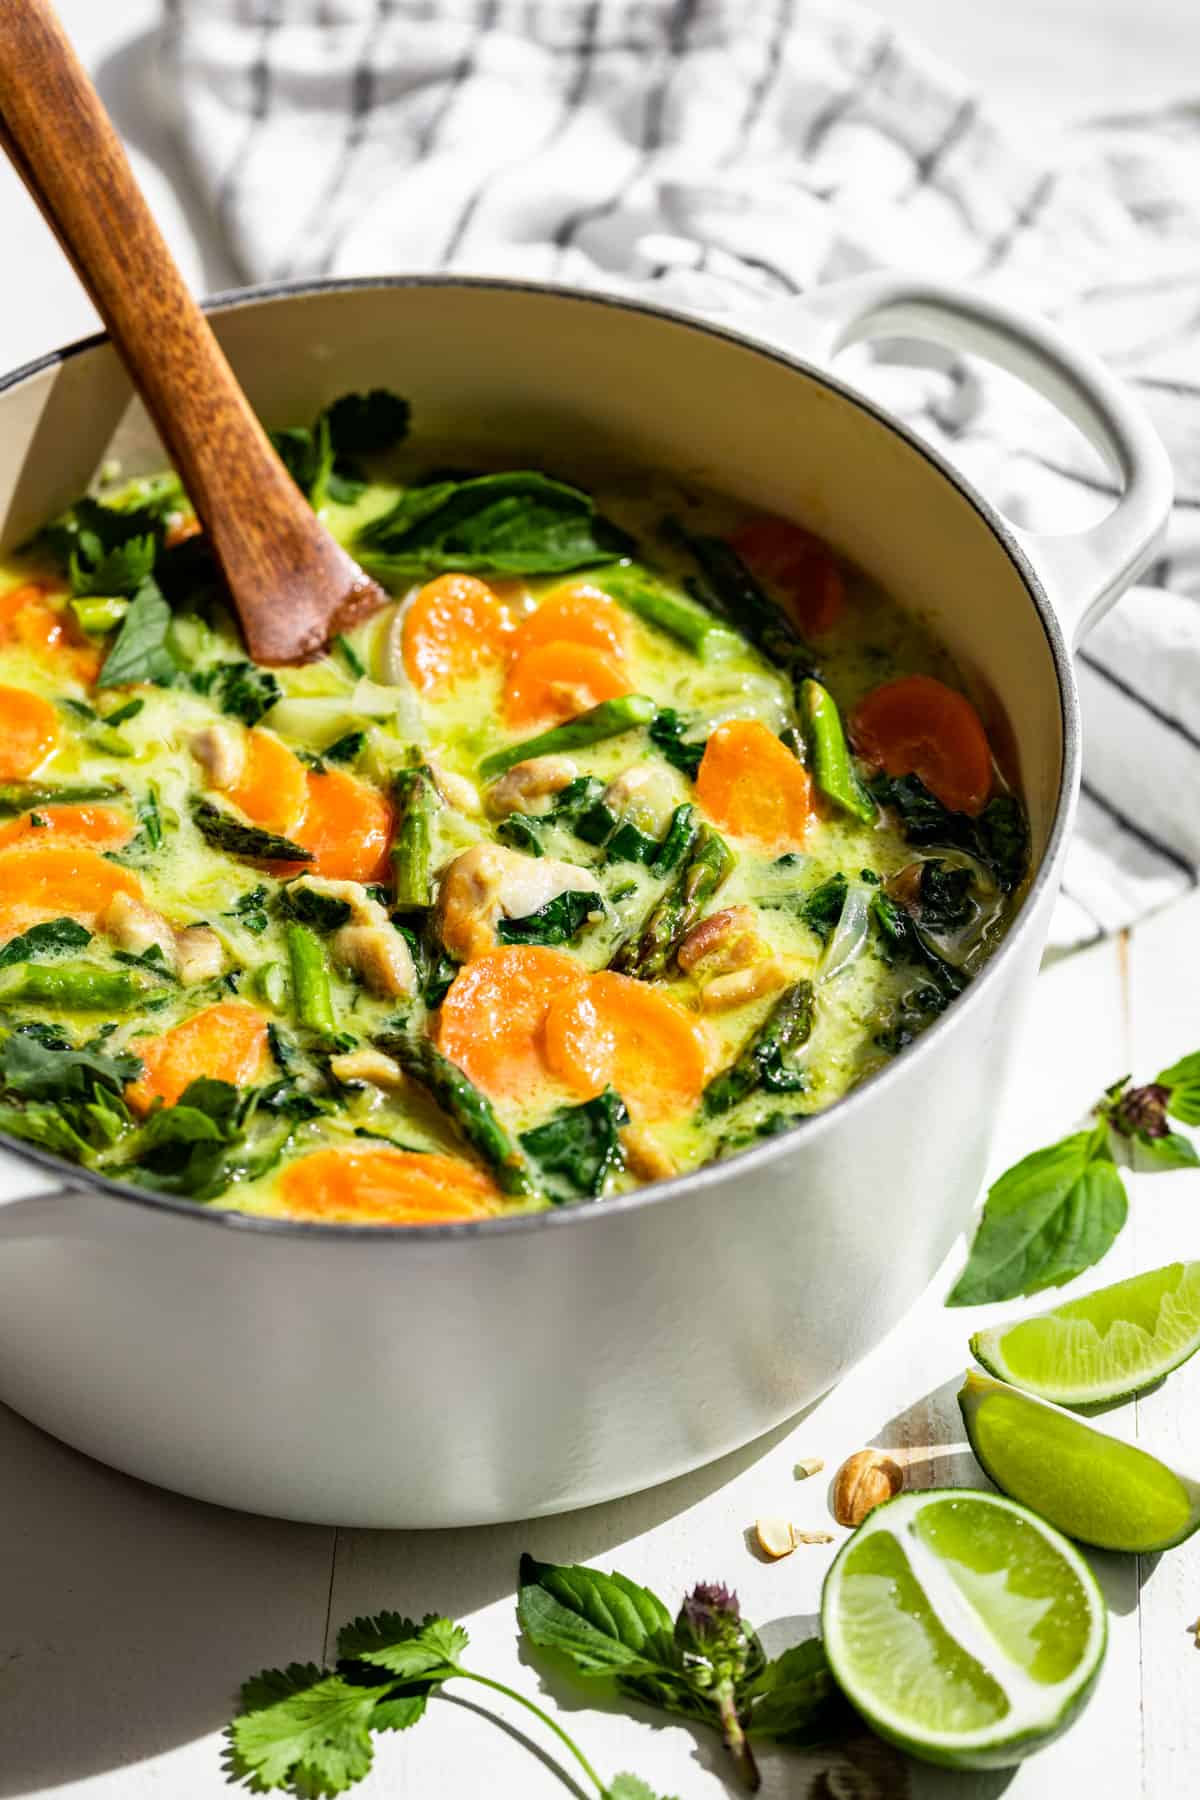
304	1728
579	1147
632	1787
1047	1219
141	650
402	1647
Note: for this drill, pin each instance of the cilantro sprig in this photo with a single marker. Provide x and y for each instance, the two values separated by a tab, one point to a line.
311	1730
1060	1209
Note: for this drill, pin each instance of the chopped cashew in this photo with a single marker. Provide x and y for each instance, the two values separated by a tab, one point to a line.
136	927
222	752
379	954
528	783
370	1066
726	940
488	883
455	790
198	954
728	991
775	1537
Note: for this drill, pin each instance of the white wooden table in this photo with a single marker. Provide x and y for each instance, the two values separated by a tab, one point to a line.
128	1616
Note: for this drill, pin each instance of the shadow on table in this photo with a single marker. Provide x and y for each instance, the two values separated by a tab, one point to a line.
129	1616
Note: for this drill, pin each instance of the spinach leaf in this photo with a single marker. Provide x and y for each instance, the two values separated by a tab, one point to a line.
346	749
579	1147
307	456
1047	1219
441	972
151	959
200	1145
559	921
46	1126
48	939
324	912
666	732
999	837
141	650
1182	1082
519	523
138	853
245	691
822	907
32	1069
250	911
367	424
904	942
224	832
944	895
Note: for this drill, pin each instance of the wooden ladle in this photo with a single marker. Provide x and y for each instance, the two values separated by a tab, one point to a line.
292	584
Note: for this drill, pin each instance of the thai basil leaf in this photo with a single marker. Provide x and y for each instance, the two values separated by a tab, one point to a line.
579	1147
603	1624
796	1700
1158	1155
48	939
1182	1080
559	921
519	523
141	650
1047	1219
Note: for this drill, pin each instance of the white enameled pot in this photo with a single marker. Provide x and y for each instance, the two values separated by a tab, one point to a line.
460	1374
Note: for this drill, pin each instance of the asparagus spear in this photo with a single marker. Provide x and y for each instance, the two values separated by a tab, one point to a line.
24	796
649	599
760	1062
98	615
416	799
672	916
224	832
75	987
677	841
312	1001
744	601
835	772
471	1112
609	719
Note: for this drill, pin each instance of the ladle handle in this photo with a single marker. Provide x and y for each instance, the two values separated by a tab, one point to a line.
63	144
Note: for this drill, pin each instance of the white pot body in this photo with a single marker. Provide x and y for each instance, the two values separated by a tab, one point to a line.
447	1376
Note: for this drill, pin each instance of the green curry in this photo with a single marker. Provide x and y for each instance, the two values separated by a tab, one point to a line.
633	831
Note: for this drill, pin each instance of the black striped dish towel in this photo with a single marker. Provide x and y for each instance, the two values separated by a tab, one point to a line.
719	153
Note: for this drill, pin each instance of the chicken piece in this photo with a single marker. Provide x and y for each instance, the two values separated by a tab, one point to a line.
371	1067
198	954
648	792
379	954
723	941
488	883
527	784
136	927
222	752
455	790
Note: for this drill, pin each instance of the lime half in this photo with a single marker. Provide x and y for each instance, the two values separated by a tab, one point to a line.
1091	1485
962	1628
1108	1346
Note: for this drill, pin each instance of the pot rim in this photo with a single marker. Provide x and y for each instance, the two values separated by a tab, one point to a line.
755	1157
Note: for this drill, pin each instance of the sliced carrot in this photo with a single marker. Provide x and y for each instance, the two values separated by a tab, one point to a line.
801	565
919	726
54	881
272	788
752	786
348	827
28	618
103	827
376	1185
576	613
554	681
453	628
492	1019
614	1031
180	527
28	732
227	1042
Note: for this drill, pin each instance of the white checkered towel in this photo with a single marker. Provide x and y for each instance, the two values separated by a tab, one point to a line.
716	153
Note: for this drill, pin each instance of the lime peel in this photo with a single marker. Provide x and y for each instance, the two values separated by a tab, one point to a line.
913	1621
1093	1486
1105	1346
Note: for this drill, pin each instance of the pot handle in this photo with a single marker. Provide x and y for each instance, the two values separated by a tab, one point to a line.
1083	572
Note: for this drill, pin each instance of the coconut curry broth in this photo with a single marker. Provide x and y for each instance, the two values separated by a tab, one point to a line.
497	980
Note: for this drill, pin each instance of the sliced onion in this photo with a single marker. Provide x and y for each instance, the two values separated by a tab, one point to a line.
850	933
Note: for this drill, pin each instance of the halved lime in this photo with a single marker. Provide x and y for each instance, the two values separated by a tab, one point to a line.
1091	1485
962	1628
1108	1346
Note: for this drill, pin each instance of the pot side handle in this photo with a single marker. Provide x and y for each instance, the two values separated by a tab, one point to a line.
1083	572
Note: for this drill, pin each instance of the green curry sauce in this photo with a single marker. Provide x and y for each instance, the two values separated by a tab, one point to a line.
250	917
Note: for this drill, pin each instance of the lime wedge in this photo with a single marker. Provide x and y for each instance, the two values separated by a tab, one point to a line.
1091	1485
962	1628
1108	1346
